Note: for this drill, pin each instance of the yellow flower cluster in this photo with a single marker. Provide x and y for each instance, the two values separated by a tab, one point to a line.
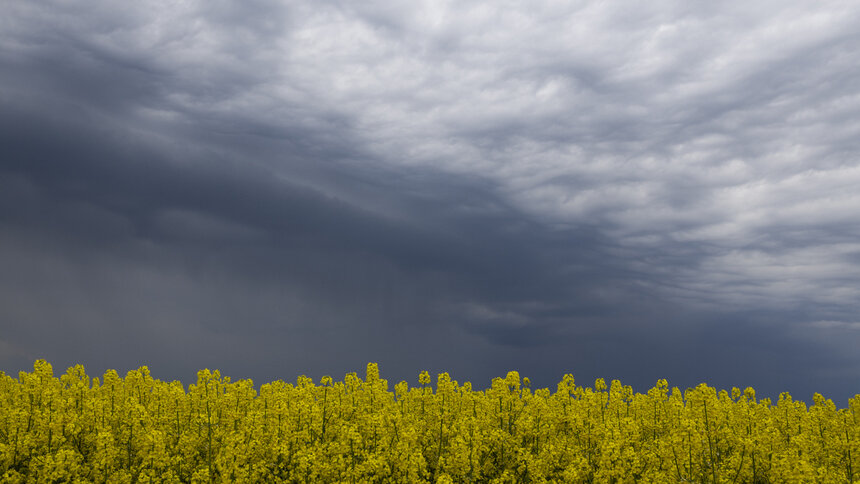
138	429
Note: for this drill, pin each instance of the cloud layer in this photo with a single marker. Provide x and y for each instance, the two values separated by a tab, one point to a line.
636	191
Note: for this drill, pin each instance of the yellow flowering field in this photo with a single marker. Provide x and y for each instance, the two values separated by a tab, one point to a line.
74	428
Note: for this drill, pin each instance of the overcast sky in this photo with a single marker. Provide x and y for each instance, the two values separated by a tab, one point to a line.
631	190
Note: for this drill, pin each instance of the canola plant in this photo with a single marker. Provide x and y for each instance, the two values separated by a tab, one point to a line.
74	428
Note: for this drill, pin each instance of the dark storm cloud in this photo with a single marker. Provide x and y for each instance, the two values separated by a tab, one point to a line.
624	191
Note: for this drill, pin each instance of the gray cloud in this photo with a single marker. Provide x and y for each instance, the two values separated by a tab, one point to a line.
632	191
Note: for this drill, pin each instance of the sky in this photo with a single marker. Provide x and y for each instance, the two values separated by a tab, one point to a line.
626	190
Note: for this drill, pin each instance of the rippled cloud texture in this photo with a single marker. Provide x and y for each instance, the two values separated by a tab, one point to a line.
632	191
